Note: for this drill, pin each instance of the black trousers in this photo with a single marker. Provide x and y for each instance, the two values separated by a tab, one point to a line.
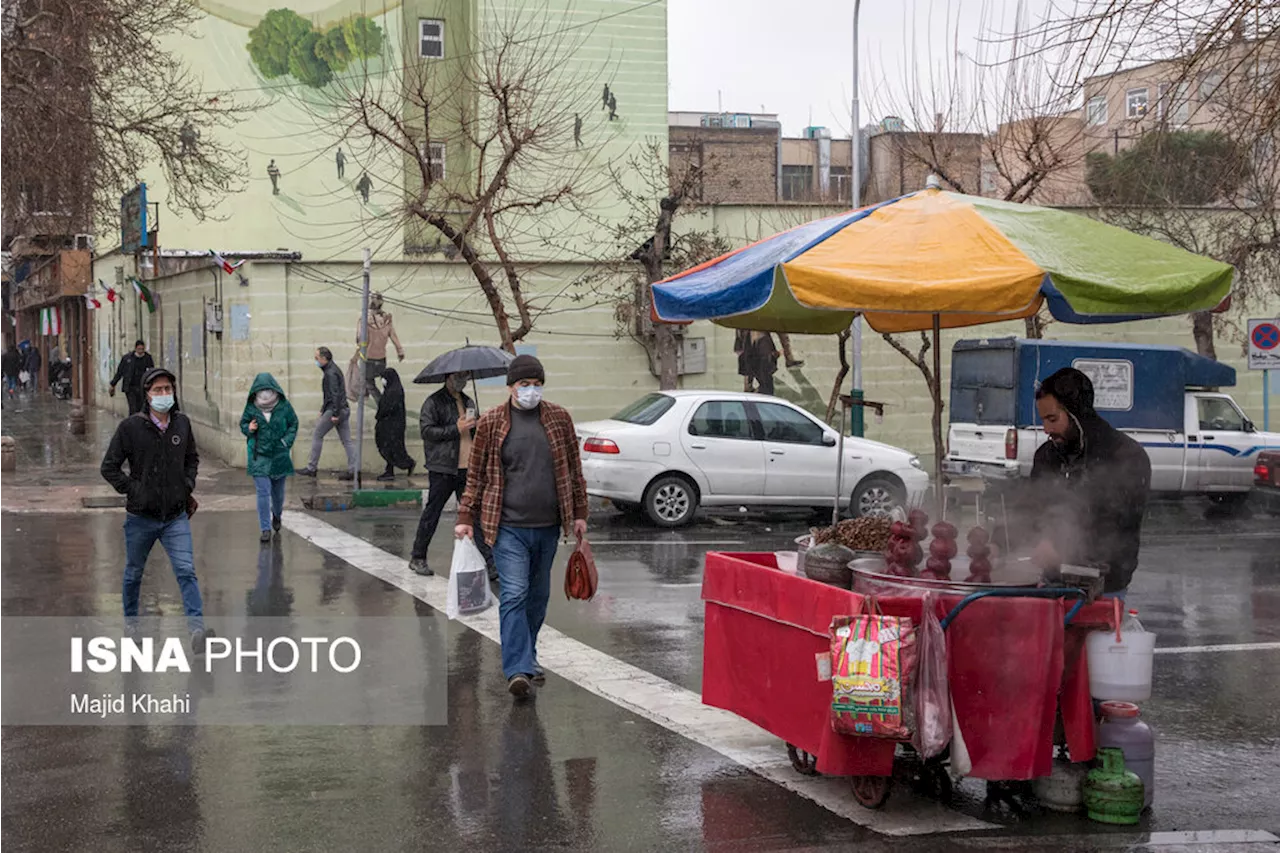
439	488
136	399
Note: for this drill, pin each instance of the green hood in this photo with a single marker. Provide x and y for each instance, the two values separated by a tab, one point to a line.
262	382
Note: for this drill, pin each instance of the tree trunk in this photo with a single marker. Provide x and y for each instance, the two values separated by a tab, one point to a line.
841	340
1035	327
666	347
481	274
1202	331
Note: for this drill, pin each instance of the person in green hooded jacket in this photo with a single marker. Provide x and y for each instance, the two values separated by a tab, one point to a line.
270	425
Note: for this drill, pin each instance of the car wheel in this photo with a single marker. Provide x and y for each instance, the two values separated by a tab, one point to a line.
876	497
670	501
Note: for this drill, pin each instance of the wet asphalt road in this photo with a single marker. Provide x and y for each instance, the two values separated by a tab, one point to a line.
571	771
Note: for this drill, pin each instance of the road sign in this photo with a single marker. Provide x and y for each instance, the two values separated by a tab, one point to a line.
1264	344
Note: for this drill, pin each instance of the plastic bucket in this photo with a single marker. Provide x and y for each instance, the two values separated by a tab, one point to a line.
1121	671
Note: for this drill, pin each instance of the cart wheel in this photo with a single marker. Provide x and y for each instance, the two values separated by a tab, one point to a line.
804	763
872	791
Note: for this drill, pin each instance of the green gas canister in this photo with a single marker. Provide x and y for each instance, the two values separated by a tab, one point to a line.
1113	794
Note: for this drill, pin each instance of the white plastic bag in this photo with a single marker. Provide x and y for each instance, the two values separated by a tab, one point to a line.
468	580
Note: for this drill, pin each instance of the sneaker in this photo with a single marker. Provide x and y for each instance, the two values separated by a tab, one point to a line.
419	566
265	537
198	639
346	475
307	472
275	523
539	677
519	686
388	477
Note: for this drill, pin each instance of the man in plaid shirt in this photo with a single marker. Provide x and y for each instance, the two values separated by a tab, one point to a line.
525	482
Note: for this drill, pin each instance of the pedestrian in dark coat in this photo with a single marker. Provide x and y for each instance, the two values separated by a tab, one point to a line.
129	375
270	425
391	422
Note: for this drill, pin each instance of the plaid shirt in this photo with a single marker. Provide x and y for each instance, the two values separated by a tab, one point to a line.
485	474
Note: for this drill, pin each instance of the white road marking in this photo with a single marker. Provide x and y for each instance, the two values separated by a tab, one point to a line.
1139	840
1229	647
642	693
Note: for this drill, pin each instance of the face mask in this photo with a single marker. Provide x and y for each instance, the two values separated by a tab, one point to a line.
319	365
162	403
265	398
528	396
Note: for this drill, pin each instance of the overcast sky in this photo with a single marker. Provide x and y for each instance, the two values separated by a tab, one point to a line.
795	58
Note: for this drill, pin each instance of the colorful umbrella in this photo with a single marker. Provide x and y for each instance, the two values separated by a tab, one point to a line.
968	260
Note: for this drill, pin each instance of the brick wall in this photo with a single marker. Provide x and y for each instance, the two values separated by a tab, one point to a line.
739	165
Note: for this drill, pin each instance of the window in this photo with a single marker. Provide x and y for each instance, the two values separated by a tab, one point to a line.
1217	413
1097	110
1162	101
782	423
797	183
1136	102
433	153
1209	85
721	419
841	188
430	38
646	411
1180	105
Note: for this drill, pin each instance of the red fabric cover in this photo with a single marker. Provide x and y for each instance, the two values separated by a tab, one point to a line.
764	629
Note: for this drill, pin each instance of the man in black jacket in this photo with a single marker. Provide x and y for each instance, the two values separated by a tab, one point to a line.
129	374
1090	483
160	449
447	422
335	413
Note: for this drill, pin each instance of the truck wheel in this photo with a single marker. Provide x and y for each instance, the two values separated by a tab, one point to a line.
671	501
1233	504
876	497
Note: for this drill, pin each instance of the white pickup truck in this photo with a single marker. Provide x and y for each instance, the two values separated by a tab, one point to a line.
1199	440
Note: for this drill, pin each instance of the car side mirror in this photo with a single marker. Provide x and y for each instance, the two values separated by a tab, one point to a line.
829	440
1248	426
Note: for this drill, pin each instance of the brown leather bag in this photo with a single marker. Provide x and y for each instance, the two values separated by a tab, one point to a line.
580	578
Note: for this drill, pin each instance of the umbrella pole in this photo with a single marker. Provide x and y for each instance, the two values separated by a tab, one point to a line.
936	393
835	507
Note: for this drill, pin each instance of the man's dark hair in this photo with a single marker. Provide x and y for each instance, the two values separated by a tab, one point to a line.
324	353
1071	388
139	343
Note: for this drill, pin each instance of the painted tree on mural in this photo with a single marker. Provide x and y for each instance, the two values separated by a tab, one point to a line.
486	144
93	94
285	43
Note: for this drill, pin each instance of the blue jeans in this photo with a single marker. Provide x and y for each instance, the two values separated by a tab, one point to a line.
523	556
270	499
140	535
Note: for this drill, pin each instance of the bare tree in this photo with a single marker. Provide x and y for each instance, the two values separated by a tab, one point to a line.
934	382
93	94
489	142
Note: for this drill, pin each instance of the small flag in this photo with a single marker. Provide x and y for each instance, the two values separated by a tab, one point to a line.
226	265
111	291
50	321
92	303
144	294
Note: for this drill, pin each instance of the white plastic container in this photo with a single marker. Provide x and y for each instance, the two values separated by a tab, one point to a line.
787	561
1121	671
1063	789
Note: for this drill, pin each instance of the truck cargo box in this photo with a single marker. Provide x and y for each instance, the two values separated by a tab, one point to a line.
994	380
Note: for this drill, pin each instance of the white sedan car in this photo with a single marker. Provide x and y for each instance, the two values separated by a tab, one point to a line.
669	453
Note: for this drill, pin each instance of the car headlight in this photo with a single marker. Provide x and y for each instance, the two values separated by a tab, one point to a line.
915	463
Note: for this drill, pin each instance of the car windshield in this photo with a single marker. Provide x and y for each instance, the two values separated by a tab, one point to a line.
646	411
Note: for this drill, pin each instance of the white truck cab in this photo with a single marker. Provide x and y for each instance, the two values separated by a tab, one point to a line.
1199	440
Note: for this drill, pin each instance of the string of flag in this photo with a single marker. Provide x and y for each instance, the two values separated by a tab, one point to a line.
50	321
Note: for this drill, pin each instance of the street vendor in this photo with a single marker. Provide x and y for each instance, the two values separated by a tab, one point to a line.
1089	482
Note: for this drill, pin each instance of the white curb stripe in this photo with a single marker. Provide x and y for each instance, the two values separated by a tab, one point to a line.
1230	647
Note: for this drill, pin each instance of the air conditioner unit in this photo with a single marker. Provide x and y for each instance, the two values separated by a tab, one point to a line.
84	242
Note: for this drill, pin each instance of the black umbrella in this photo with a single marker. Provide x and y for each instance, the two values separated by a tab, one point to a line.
480	362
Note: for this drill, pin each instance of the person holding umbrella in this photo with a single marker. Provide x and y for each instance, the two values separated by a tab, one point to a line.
447	422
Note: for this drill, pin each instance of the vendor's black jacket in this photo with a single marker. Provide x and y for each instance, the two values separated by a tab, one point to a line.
1091	498
129	373
162	465
438	423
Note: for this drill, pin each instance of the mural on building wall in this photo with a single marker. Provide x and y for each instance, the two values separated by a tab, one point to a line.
285	43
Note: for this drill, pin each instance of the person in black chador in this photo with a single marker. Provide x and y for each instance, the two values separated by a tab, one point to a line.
389	432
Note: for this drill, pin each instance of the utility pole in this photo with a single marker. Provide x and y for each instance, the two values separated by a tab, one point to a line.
855	182
362	365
